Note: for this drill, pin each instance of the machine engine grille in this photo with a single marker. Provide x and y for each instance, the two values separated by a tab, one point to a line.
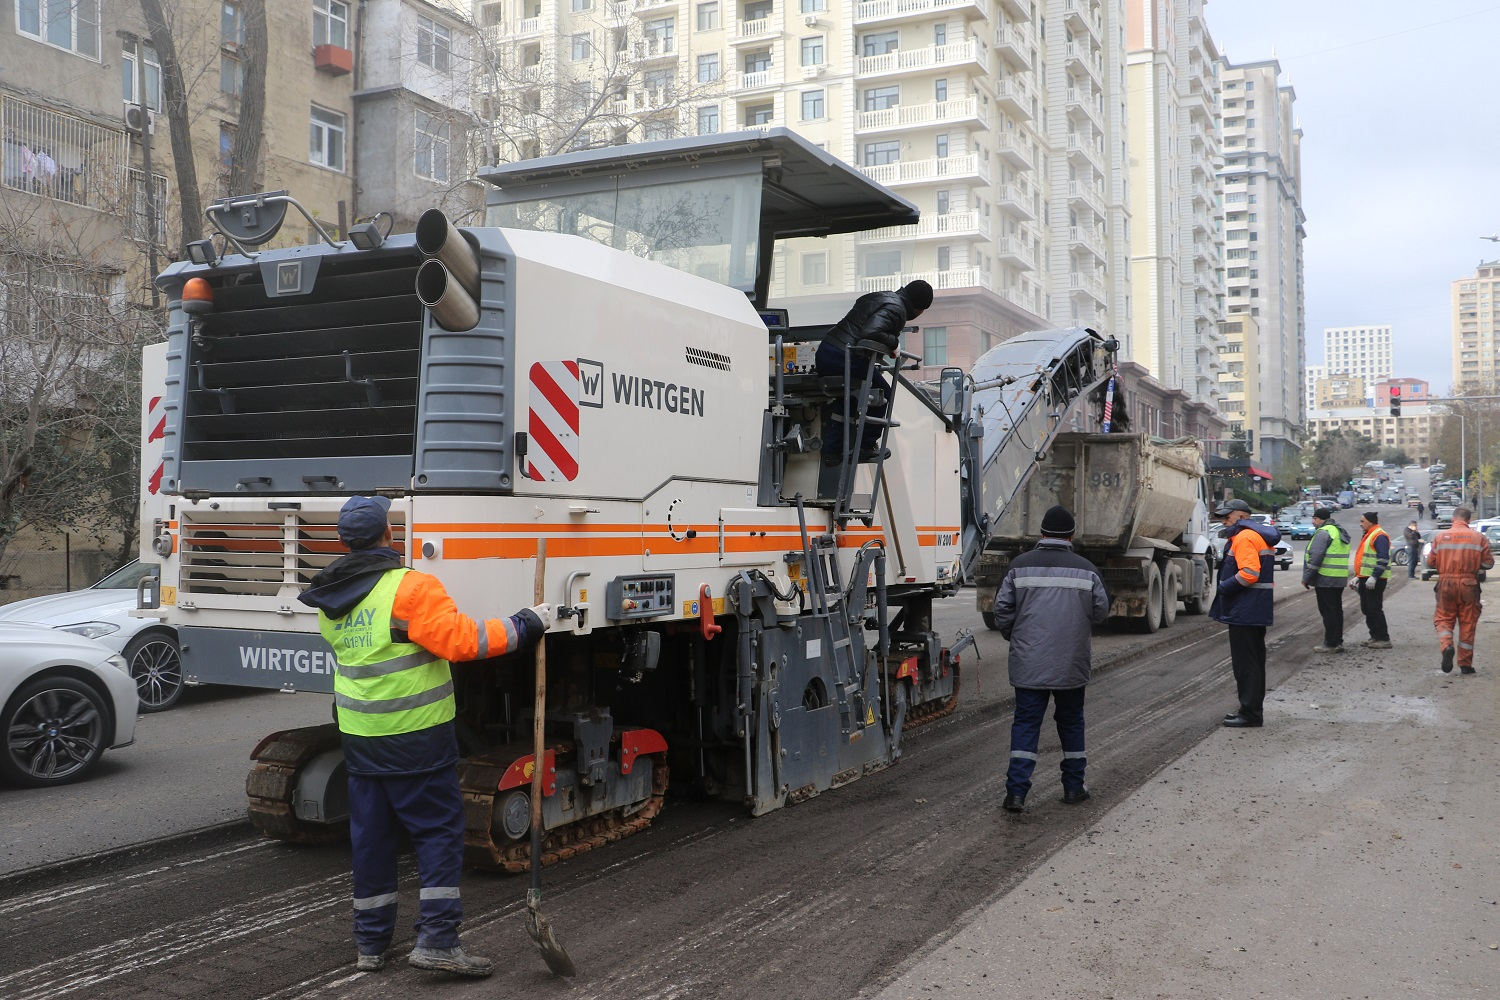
260	552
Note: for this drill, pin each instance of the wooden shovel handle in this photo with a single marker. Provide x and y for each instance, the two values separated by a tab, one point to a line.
538	759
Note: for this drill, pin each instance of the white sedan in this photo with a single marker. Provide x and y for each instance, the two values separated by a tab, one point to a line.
102	612
64	699
1282	559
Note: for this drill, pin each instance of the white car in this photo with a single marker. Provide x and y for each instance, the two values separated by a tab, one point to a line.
102	612
1283	558
64	699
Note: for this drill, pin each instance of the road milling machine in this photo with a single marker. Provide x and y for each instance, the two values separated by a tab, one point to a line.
594	366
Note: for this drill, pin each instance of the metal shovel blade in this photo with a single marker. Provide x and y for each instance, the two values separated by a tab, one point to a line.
540	929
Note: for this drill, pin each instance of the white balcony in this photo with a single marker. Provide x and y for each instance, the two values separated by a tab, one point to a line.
762	29
1011	148
1082	56
921	60
958	111
754	81
528	26
1016	296
961	277
1085	193
1087	285
1013	41
1086	148
1087	238
1015	252
1081	14
654	47
1016	200
651	98
872	11
1017	9
1083	104
532	73
954	225
949	168
654	6
1015	97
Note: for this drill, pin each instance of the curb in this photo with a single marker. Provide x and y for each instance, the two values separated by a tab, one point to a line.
218	834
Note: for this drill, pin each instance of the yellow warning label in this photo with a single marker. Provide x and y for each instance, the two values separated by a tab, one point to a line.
690	608
168	596
583	595
794	571
869	716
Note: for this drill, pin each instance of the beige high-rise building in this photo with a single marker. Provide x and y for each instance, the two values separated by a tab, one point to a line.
1176	242
1338	392
1476	328
1237	382
1019	173
1263	232
1358	350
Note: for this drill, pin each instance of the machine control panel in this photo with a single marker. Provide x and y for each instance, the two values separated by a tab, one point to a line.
794	359
629	597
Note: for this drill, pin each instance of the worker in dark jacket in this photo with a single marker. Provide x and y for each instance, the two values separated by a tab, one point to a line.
1325	570
394	631
878	317
1245	602
1413	538
1045	606
1370	573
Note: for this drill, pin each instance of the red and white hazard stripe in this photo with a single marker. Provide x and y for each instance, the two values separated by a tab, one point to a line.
156	419
553	422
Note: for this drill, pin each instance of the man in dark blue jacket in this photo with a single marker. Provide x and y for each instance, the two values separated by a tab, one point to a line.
1245	603
1045	607
878	317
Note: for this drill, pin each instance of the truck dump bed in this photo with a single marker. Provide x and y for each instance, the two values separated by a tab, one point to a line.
1123	490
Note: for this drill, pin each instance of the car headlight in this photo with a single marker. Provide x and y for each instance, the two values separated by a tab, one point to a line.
118	662
90	630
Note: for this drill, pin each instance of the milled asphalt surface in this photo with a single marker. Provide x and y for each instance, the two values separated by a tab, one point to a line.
1351	848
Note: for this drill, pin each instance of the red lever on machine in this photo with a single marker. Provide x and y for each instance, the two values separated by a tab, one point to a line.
706	613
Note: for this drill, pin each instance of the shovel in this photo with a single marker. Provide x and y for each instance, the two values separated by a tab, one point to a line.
537	925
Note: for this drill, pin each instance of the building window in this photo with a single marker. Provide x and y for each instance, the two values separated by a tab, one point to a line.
231	25
67	24
138	214
812	105
880	43
814	6
878	154
881	98
940	90
331	23
326	148
812	51
708	68
582	5
130	76
492	15
231	75
940	146
758	62
708	120
815	269
708	16
944	258
579	46
759	114
882	263
934	346
434	44
944	202
432	145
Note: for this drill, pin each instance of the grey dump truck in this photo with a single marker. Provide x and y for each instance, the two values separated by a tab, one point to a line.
1142	520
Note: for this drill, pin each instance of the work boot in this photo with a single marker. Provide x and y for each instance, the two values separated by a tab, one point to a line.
1448	660
1325	649
1376	644
449	960
1466	670
1242	721
370	963
1014	803
1073	796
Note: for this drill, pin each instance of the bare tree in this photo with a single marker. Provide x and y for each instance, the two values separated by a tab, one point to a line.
244	171
175	104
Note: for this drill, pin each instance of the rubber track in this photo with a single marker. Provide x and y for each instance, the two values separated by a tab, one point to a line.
272	781
931	711
481	851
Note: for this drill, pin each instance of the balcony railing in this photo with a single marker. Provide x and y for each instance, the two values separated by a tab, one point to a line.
1080	12
1014	42
1014	199
960	277
654	47
911	115
1085	101
1084	56
1088	194
758	30
916	60
1087	284
1088	239
754	81
954	224
653	6
937	169
1013	150
1014	97
1087	145
1013	251
58	156
885	10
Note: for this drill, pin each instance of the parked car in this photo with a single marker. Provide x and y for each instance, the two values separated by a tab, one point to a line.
66	699
1216	539
102	612
1346	498
1302	529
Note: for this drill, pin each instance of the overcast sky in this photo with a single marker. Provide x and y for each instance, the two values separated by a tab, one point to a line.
1400	156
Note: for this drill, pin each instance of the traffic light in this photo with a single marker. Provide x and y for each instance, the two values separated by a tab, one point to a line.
1395	401
1250	440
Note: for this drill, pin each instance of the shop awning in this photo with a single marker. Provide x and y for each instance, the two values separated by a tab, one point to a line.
1262	473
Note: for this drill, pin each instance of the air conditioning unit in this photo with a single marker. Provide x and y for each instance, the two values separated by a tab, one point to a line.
137	118
811	72
811	20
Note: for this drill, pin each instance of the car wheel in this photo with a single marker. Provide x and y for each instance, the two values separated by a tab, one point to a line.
156	667
54	732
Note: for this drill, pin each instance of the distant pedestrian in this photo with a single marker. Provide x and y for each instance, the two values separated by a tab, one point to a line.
1245	603
393	631
1372	571
1421	510
1325	571
1046	604
1459	555
1413	549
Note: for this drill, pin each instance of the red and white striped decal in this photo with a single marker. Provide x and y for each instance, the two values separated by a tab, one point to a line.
156	419
553	422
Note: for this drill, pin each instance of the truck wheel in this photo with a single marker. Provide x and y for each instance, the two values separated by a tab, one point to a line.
1151	621
1199	603
989	621
1170	598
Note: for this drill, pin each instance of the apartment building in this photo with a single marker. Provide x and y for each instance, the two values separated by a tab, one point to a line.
1176	240
1338	392
1311	376
1476	337
1414	392
1238	386
1002	120
1358	350
1417	433
1263	233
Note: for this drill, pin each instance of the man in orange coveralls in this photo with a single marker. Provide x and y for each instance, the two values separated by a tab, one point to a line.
1458	555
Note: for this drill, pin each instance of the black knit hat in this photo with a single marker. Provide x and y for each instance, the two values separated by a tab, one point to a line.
1372	516
918	294
1057	522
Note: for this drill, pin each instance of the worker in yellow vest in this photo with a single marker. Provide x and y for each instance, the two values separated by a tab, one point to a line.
1325	571
394	631
1371	572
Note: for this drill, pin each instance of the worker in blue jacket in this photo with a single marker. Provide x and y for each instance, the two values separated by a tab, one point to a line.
1244	602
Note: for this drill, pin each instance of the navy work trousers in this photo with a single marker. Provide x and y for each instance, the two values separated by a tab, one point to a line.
1331	607
1372	605
830	361
1026	731
430	807
1247	656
